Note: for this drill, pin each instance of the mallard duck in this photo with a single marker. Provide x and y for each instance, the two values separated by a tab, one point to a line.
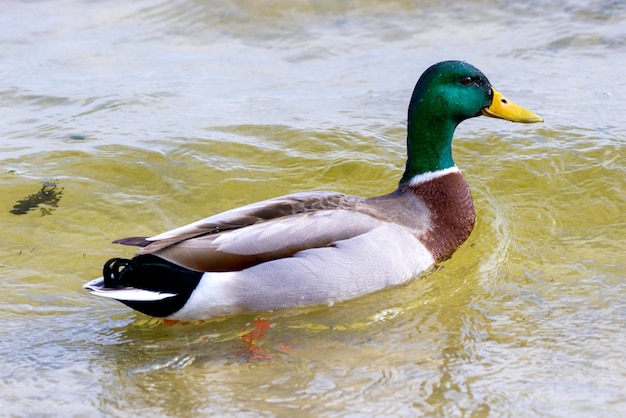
316	248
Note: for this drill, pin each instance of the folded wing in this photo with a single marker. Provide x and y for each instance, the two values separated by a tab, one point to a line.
268	230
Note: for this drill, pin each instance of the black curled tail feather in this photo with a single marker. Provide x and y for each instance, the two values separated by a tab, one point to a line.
150	272
113	271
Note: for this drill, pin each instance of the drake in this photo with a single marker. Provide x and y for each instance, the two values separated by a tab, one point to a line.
317	248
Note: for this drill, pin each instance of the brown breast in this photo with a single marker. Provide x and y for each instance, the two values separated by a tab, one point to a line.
451	207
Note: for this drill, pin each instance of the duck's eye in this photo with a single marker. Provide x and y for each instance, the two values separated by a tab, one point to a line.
467	80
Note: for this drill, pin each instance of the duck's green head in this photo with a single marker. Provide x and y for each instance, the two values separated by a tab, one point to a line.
445	95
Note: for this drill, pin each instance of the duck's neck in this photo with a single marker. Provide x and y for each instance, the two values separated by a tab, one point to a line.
429	140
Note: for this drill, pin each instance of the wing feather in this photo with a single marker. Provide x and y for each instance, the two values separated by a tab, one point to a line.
249	215
283	237
263	231
278	228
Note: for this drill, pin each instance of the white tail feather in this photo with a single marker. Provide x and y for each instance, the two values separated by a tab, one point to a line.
97	288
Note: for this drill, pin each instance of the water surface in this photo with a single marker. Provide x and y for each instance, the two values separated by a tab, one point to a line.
147	115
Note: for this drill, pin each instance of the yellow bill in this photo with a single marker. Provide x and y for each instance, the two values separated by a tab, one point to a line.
503	108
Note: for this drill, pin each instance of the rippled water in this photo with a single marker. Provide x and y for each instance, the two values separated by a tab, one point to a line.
147	115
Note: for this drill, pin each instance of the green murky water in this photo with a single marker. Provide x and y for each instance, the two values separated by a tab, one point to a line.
148	115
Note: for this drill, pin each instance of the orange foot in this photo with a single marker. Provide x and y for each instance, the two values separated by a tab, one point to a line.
285	348
257	331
